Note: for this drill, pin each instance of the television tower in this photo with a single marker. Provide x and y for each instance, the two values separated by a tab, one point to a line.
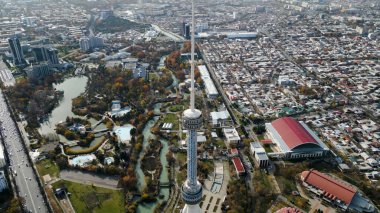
192	120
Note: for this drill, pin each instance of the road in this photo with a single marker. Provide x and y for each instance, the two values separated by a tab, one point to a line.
169	34
26	179
86	178
6	75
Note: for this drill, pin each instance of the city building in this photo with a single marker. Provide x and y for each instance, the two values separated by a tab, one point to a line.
3	181
17	53
294	139
89	43
2	157
221	119
96	42
45	53
260	9
239	168
335	191
186	30
84	44
258	152
242	35
192	121
201	27
38	71
211	90
140	72
232	136
104	14
29	21
284	80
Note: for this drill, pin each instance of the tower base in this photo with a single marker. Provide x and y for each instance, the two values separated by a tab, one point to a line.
191	209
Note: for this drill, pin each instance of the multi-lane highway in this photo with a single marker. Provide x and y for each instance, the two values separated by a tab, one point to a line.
20	167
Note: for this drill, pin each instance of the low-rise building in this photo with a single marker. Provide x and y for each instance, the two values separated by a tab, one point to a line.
221	119
294	139
239	168
232	136
335	191
211	90
258	152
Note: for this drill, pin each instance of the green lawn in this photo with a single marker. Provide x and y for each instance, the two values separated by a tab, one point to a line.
171	118
286	185
87	198
176	108
47	166
268	149
220	143
261	137
181	158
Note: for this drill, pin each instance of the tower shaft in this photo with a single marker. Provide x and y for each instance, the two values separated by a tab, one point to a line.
192	121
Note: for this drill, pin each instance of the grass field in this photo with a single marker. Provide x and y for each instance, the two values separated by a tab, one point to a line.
87	198
176	108
47	166
171	118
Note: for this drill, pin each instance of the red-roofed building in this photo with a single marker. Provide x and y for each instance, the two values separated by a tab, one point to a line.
234	152
266	141
239	168
295	139
288	210
330	187
335	191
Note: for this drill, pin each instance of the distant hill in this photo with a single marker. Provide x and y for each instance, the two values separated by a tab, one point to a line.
115	24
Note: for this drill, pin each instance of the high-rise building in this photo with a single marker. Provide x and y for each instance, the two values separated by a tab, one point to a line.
192	120
96	42
2	157
104	14
186	33
84	44
3	181
182	29
18	55
53	55
38	71
89	43
45	53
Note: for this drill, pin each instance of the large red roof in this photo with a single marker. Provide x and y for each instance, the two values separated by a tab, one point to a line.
292	132
331	187
238	165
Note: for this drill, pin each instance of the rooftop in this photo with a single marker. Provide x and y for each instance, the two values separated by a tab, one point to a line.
329	185
238	165
292	132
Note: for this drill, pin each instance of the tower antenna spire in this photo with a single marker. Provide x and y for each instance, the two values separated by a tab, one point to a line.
192	121
192	95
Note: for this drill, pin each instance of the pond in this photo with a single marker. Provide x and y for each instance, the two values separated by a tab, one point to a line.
71	87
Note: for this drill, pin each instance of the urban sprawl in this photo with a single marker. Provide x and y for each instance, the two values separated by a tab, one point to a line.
190	106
